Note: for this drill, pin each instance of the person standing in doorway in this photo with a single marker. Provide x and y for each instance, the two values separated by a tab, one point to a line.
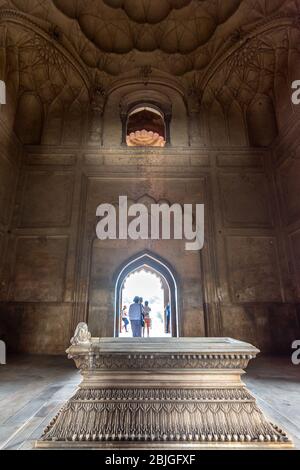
142	315
135	317
147	319
125	318
168	316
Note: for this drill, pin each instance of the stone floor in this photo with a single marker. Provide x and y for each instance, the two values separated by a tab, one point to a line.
32	389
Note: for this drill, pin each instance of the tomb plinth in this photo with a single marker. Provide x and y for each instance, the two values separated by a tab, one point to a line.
162	393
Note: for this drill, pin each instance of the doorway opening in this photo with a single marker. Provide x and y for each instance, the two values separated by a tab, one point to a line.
152	280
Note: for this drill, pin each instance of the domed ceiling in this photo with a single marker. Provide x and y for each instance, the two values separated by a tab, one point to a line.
177	36
187	39
148	25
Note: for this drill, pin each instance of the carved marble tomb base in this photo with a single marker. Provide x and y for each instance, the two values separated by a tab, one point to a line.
162	393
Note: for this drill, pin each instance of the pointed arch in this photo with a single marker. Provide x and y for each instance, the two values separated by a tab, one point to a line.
164	269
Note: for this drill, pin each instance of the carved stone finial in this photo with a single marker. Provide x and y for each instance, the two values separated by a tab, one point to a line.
81	335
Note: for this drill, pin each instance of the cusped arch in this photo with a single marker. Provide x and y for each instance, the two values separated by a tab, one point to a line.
163	268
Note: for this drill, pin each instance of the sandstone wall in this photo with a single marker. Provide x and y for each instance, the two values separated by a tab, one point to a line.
59	273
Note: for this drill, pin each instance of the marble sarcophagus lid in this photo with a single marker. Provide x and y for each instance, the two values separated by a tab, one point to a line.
161	393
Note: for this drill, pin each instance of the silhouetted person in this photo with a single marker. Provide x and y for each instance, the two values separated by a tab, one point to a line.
147	319
142	314
168	316
135	317
125	318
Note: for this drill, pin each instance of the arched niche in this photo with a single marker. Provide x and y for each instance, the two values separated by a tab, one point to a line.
146	124
261	121
29	119
127	96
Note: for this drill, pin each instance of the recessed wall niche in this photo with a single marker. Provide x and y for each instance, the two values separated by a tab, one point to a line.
136	107
40	206
145	126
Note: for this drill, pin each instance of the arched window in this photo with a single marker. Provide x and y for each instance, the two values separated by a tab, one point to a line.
145	125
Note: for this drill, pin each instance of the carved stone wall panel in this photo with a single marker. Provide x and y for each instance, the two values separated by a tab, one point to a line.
183	190
289	175
46	158
288	143
262	324
10	159
39	272
224	119
42	328
295	252
29	130
217	126
8	179
201	160
93	159
238	160
283	323
241	322
2	241
245	199
74	124
261	119
11	148
143	158
253	268
236	125
47	199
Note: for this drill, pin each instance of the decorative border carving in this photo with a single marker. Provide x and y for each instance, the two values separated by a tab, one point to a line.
139	362
162	415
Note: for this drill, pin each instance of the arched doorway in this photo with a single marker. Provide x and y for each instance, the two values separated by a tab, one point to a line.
136	271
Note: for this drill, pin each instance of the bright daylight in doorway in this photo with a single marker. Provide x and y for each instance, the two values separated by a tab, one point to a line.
147	285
